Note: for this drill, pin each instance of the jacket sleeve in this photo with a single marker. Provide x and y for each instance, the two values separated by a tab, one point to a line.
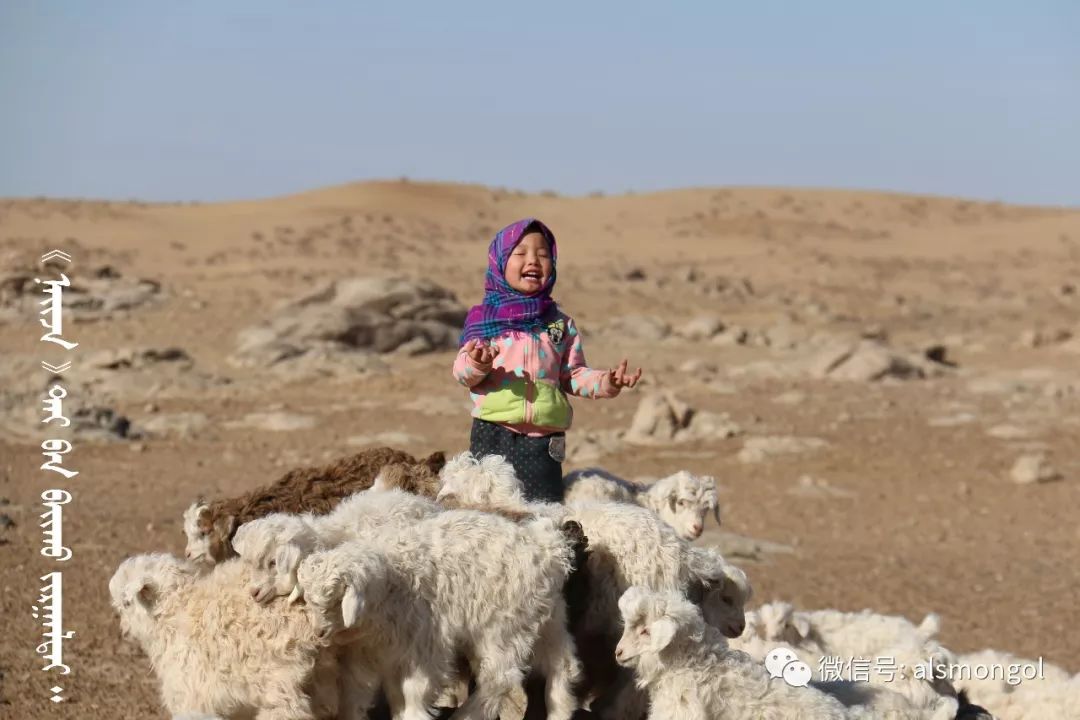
576	377
467	372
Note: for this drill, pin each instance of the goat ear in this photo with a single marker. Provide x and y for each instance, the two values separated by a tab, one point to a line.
351	606
801	625
226	525
662	633
147	596
287	558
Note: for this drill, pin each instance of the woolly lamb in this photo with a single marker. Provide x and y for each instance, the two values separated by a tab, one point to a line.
276	544
815	635
209	527
418	479
462	582
690	673
681	500
1038	701
1055	694
489	480
217	653
629	545
849	634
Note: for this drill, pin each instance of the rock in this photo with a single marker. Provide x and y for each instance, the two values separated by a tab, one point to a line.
591	446
663	418
138	358
785	336
875	332
696	366
143	374
657	418
1035	468
791	397
634	274
639	327
758	449
938	354
274	421
6	521
1038	337
97	423
723	387
374	315
732	335
94	293
184	424
702	327
705	425
863	361
728	289
734	546
686	275
807	486
1009	432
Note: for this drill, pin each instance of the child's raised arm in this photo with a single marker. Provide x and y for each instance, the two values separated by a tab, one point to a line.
473	362
576	377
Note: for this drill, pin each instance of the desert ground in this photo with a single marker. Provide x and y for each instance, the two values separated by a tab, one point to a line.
861	373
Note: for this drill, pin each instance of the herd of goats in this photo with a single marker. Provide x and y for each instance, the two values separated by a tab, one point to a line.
383	585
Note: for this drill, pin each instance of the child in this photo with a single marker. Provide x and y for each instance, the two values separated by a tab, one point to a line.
519	355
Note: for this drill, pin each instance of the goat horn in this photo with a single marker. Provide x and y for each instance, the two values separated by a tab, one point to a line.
296	594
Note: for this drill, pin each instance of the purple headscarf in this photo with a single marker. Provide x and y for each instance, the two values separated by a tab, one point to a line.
504	308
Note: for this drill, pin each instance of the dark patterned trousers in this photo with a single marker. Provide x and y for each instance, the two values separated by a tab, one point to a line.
537	461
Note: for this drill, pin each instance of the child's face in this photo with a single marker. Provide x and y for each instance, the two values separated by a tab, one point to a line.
529	266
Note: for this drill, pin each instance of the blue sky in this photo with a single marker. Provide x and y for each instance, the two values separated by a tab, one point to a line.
202	100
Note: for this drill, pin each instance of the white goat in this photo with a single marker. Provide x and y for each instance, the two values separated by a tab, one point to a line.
690	673
480	586
628	545
215	651
275	544
681	500
851	637
489	480
1005	690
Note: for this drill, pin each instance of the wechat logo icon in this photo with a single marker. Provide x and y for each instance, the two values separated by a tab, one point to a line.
782	663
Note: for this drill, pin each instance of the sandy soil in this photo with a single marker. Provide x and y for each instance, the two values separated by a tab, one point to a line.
910	507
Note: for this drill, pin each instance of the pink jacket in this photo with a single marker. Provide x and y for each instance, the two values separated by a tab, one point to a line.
525	387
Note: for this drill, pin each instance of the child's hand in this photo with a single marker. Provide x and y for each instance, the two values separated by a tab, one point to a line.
482	355
618	378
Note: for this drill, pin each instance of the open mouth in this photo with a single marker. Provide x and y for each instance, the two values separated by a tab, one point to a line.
533	275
